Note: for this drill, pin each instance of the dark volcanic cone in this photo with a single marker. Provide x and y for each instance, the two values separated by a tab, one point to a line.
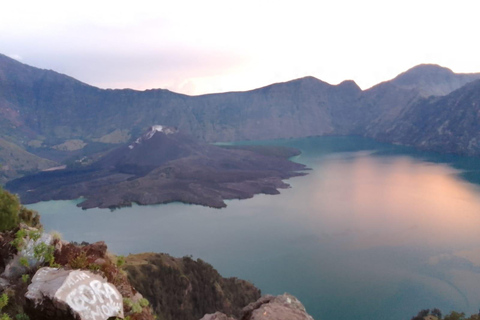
161	166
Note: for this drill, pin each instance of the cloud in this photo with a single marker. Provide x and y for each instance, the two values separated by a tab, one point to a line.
214	45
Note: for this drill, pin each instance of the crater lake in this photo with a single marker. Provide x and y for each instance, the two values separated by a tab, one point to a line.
374	231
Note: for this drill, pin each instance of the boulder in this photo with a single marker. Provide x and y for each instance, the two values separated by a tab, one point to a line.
72	294
283	307
15	268
217	316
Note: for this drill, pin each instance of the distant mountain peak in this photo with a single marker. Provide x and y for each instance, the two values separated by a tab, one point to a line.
432	79
151	132
424	67
349	84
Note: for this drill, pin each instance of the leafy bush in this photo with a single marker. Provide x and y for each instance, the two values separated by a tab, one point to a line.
80	261
44	251
9	209
3	301
12	212
25	278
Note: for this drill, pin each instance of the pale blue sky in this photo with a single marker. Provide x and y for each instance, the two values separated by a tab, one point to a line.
197	47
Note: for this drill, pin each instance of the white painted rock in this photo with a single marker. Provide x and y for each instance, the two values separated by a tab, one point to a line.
75	293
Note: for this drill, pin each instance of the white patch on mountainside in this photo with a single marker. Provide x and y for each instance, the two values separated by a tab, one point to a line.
149	134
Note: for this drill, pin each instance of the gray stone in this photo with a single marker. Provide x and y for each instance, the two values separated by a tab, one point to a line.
283	307
75	294
4	284
14	268
217	316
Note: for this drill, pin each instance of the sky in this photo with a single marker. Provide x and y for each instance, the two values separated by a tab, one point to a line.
197	47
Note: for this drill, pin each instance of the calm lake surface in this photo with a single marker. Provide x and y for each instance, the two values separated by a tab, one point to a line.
375	231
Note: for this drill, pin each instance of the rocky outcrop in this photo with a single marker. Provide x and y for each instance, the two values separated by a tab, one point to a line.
283	307
43	277
217	316
29	257
187	289
72	294
443	124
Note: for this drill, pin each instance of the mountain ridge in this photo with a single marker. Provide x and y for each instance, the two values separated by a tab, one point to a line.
46	113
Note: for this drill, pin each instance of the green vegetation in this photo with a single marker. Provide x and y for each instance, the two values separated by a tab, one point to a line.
45	252
144	302
12	212
186	288
135	307
24	262
25	278
9	209
3	303
436	314
120	261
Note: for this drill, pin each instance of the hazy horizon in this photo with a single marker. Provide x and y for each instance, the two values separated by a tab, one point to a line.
248	89
214	46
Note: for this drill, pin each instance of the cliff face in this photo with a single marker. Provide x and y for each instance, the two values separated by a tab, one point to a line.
445	124
185	289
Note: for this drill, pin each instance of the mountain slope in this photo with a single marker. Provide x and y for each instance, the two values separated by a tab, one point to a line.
15	161
444	124
57	117
430	79
185	289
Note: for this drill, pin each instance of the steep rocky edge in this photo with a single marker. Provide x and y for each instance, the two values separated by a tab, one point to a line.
176	288
57	117
161	166
185	289
445	124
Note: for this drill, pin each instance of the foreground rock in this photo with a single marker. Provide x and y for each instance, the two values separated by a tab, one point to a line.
187	289
217	316
72	294
28	247
283	307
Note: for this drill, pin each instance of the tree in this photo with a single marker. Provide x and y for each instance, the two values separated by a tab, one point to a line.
455	316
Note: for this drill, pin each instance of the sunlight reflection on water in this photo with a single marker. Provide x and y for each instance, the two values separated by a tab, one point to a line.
373	232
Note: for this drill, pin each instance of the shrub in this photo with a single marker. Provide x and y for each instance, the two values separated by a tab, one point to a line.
3	301
25	278
143	302
9	208
120	261
12	213
24	262
44	251
80	261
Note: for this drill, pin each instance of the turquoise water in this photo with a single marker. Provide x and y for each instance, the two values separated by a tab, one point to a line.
375	231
